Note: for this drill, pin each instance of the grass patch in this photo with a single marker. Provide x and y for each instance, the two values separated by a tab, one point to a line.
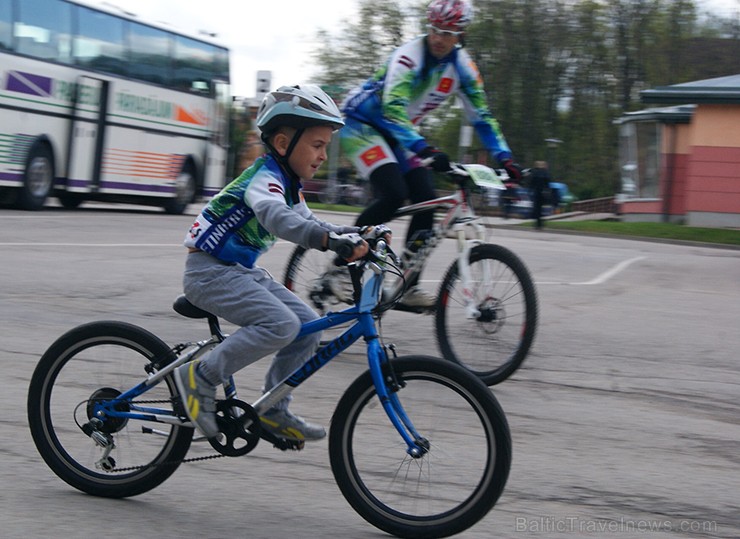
318	206
669	231
651	230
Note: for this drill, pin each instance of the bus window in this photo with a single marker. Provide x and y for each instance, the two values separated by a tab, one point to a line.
151	51
99	42
222	65
43	29
193	65
6	18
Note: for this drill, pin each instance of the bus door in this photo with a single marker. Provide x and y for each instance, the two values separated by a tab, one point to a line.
215	174
87	134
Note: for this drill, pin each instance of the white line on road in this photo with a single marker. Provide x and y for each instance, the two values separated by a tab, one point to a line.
599	279
608	274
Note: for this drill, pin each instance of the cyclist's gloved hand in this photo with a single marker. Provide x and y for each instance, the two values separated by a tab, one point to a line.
348	246
512	169
372	233
440	162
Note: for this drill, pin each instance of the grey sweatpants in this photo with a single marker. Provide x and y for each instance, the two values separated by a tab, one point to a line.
269	316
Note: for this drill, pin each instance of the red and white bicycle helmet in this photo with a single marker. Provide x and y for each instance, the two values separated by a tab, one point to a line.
455	14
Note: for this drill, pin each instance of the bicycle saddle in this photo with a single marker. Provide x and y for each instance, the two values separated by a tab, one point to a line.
187	309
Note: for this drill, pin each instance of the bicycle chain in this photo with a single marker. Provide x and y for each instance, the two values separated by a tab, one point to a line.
169	462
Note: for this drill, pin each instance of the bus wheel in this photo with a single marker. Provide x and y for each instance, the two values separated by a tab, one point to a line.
38	179
70	200
185	187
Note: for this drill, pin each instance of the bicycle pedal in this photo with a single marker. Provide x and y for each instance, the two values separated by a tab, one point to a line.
283	444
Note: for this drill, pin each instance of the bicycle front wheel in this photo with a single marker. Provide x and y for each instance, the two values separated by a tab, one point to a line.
458	479
313	277
494	342
99	361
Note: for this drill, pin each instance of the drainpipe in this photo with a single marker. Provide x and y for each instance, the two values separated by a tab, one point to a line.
669	173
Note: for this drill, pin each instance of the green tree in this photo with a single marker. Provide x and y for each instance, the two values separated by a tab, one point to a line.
348	57
563	69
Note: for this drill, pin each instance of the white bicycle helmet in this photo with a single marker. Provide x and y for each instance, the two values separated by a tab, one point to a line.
450	13
300	106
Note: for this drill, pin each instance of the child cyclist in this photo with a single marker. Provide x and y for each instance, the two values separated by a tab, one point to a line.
239	224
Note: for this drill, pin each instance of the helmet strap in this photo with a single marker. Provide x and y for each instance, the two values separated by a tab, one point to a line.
282	160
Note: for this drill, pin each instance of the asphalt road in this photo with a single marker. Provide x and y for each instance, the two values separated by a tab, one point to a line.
625	417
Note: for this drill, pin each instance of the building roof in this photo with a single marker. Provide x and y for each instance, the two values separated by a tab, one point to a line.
721	90
679	114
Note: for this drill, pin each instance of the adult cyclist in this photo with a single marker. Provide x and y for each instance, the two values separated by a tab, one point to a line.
381	134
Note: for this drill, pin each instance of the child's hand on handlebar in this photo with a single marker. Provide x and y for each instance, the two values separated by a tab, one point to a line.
373	233
350	247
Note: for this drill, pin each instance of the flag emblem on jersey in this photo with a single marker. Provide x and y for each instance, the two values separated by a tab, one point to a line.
275	188
406	62
445	85
373	155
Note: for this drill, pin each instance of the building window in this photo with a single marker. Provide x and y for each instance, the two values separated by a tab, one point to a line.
639	159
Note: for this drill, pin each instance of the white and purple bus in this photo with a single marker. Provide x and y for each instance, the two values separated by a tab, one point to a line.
96	105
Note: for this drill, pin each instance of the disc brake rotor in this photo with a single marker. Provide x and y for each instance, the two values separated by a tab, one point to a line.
492	315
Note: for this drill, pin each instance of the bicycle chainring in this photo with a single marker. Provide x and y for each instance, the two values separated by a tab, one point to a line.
240	428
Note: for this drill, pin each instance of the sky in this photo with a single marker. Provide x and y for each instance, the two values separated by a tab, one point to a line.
274	35
271	35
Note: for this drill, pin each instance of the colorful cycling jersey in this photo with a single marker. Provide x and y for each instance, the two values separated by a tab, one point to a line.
250	213
412	84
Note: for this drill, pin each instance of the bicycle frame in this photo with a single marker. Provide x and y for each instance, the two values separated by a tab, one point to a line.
458	218
363	326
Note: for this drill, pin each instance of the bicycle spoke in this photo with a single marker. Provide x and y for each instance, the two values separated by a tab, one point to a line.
495	341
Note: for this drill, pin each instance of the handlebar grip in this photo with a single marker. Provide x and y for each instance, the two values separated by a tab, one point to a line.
345	250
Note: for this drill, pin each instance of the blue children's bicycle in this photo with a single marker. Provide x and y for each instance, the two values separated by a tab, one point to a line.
418	446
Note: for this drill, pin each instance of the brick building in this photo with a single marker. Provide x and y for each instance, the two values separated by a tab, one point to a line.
681	163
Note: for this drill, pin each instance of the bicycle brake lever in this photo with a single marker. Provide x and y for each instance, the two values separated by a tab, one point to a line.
394	257
457	169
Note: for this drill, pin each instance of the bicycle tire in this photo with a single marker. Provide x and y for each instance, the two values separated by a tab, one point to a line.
494	345
108	356
470	448
305	275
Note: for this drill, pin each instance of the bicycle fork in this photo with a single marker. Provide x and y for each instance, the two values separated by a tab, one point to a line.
464	247
386	386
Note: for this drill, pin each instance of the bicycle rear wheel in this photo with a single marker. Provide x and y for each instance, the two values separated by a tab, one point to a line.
98	361
455	483
495	343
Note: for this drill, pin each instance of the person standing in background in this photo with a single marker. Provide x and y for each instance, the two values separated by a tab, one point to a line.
540	187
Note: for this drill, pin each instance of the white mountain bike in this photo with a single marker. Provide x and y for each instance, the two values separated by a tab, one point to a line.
486	308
